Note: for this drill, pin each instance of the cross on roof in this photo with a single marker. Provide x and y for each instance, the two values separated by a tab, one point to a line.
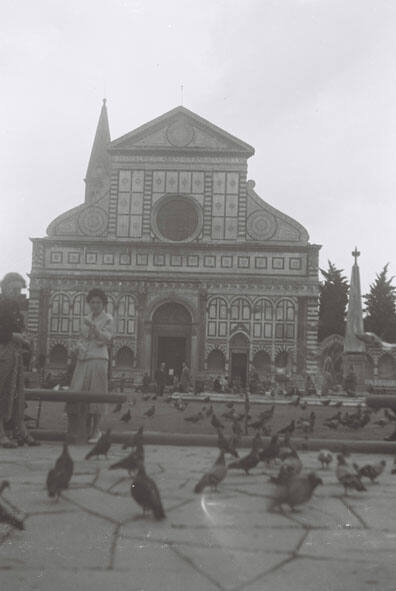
356	254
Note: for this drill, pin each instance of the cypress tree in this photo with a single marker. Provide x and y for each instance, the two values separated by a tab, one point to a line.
333	302
381	307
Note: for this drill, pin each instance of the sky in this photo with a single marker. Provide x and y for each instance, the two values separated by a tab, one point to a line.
311	84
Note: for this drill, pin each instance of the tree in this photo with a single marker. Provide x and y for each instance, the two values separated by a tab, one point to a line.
333	302
381	307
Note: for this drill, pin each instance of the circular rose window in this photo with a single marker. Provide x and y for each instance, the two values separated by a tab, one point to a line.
177	218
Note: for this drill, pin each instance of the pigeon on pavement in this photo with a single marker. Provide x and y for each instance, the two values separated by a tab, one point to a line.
370	471
214	421
325	458
250	460
296	491
131	461
194	418
126	417
271	452
227	445
102	447
288	429
347	476
215	475
134	439
145	492
150	411
7	517
59	476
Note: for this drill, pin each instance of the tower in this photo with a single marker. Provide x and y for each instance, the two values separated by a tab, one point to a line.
354	349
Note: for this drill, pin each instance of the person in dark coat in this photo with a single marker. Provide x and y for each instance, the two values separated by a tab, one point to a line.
161	378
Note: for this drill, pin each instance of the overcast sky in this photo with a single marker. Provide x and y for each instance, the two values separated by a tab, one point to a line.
311	84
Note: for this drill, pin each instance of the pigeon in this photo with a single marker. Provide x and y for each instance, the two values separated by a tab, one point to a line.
59	476
102	447
304	405
229	404
347	477
288	429
338	404
150	411
381	422
131	461
134	439
228	446
236	428
206	399
7	517
270	452
391	437
372	339
215	475
229	415
370	471
117	407
394	466
215	422
268	414
291	466
250	460
390	414
331	424
194	418
3	485
145	492
325	402
296	491
126	417
294	402
180	404
209	411
146	397
325	458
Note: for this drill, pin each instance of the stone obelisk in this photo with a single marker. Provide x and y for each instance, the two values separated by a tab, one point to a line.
354	358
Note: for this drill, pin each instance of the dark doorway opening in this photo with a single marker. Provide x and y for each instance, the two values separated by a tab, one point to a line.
239	367
172	351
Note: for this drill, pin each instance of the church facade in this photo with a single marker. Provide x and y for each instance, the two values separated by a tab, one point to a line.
196	266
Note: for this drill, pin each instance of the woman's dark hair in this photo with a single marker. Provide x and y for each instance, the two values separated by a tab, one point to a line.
97	293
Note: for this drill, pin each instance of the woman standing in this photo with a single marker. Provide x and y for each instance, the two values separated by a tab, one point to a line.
91	371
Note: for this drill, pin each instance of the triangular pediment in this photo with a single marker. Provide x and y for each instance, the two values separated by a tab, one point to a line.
181	129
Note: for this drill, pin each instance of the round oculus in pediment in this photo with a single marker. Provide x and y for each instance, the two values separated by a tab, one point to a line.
177	218
261	225
180	134
93	221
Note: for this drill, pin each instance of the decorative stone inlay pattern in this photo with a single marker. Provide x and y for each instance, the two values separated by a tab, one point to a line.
93	221
261	225
180	134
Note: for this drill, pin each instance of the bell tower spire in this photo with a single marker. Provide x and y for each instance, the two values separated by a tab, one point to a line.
98	171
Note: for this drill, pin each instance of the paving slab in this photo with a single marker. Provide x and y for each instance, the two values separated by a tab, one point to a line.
95	536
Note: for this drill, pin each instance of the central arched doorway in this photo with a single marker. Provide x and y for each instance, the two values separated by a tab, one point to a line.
239	355
171	337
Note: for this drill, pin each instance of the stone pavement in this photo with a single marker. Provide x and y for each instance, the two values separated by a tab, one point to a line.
95	539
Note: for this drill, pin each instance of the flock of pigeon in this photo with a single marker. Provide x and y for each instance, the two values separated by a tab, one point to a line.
292	485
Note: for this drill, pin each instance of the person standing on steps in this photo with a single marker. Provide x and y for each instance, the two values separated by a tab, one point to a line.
91	371
161	379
